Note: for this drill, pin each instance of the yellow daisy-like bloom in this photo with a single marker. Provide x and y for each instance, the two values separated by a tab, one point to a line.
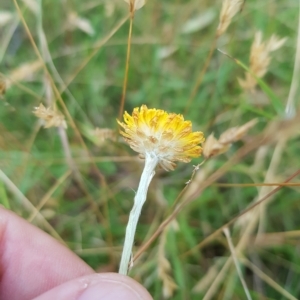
156	133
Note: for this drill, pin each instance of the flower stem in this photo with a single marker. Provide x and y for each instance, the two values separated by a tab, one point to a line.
139	200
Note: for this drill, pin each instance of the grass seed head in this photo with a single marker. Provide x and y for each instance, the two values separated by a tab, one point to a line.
235	134
212	147
229	9
105	134
260	59
50	117
169	286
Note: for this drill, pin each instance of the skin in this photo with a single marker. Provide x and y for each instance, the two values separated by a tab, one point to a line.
35	266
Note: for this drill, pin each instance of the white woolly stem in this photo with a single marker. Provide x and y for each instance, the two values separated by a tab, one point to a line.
139	200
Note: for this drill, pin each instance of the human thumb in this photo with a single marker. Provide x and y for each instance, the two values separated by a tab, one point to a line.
104	286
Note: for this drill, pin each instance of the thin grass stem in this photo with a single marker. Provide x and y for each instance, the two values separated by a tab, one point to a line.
48	195
268	279
236	262
126	67
98	45
201	75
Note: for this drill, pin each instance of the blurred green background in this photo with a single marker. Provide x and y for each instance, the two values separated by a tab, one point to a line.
170	43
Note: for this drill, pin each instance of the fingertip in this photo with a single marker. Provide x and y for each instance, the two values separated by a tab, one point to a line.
106	286
114	286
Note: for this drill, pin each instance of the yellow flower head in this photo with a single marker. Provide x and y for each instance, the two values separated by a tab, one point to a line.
166	136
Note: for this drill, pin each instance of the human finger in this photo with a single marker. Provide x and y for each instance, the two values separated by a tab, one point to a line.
32	262
105	286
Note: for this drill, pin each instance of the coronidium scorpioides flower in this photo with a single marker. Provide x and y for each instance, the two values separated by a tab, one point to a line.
160	138
167	136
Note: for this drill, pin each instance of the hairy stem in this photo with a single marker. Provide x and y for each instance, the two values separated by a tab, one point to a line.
139	200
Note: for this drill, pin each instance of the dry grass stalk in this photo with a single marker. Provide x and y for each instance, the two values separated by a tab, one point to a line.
213	147
236	262
50	117
260	59
164	267
270	281
204	283
245	219
135	4
229	9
